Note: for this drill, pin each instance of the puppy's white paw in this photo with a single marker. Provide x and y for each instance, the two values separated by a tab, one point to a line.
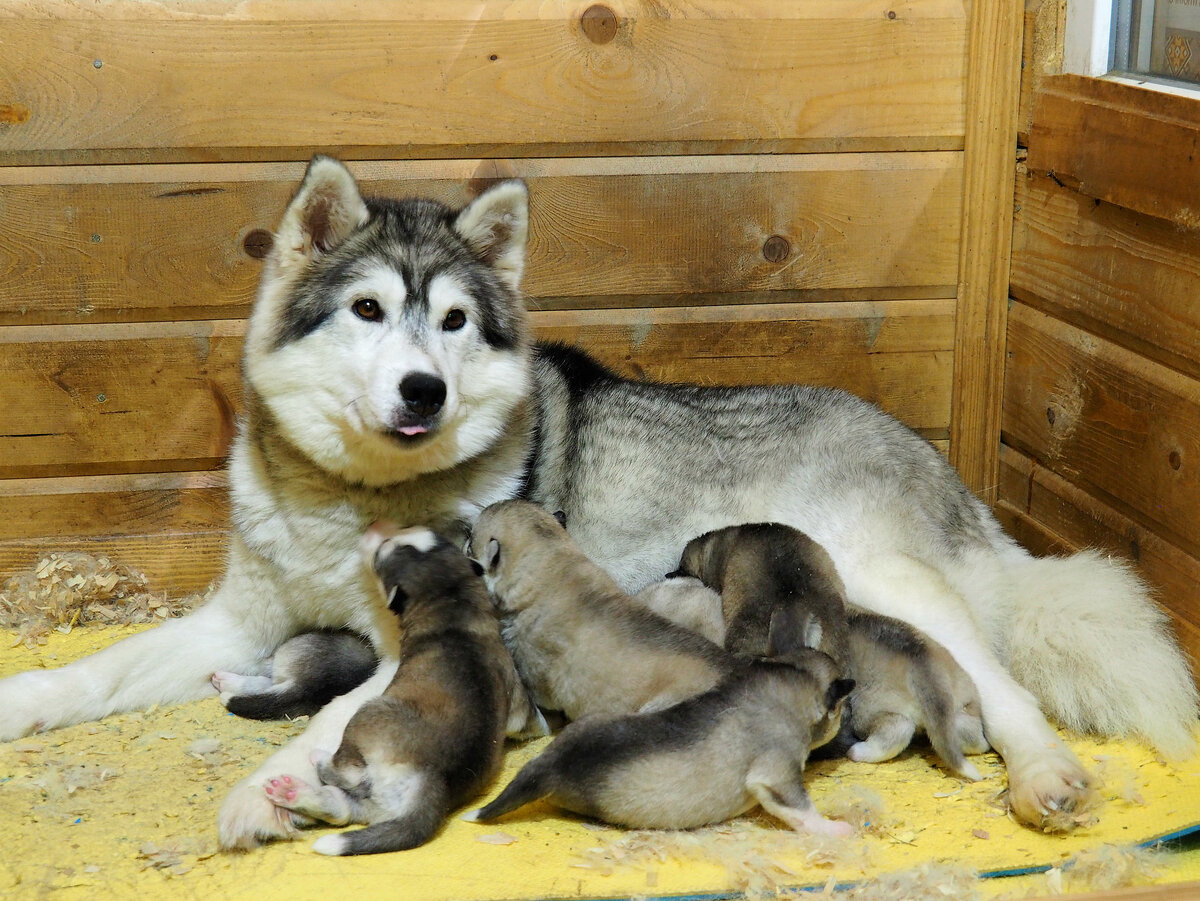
329	844
249	818
1052	792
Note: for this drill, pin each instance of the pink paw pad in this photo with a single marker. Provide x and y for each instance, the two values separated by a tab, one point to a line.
282	788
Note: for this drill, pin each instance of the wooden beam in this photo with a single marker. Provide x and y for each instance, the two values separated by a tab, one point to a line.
1141	151
993	86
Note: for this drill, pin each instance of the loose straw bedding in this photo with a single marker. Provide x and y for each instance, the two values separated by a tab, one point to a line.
128	806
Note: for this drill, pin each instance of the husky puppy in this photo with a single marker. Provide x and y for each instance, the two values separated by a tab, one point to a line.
307	672
703	761
905	683
761	568
435	738
581	644
389	374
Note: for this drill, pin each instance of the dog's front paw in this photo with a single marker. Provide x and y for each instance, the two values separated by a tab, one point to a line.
1053	792
249	818
28	704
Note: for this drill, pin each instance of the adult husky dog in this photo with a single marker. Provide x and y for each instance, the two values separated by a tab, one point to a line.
389	375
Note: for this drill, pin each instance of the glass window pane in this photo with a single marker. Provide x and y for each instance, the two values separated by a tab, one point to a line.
1159	38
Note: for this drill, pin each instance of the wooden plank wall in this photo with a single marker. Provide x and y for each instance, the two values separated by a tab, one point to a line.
722	191
1101	413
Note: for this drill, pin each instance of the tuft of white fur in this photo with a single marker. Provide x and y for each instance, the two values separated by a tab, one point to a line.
1087	640
333	845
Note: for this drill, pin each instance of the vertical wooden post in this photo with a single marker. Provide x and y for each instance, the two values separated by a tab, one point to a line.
993	88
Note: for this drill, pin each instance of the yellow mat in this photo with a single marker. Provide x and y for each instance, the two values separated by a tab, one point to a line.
127	807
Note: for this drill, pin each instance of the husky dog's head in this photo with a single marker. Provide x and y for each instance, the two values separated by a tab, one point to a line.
388	337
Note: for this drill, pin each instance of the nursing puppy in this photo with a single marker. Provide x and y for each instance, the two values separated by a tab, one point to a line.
907	682
706	759
770	574
581	644
761	568
435	738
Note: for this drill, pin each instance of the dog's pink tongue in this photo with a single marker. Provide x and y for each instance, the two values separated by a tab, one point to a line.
413	430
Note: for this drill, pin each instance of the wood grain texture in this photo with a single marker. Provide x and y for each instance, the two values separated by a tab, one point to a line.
1131	278
993	84
259	81
1122	428
167	242
104	399
1041	55
178	563
1142	147
1049	514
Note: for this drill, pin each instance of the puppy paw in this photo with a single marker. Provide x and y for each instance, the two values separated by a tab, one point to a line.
1053	793
833	828
294	794
249	818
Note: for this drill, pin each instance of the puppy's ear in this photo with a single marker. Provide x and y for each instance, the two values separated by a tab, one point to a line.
561	517
397	598
327	208
496	226
492	557
477	567
839	690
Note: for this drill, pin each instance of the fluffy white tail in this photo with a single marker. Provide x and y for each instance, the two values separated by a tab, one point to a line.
1099	654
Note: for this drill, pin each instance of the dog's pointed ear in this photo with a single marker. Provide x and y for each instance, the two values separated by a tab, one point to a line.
492	557
327	208
561	517
839	690
476	567
496	225
397	598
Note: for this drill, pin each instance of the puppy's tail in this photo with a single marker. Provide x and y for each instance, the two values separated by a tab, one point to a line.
532	783
934	691
400	834
1088	641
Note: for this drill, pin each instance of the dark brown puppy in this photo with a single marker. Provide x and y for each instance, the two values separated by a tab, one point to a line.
434	739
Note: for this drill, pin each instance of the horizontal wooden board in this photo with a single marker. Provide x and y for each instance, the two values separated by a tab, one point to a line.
1130	277
1140	150
99	507
170	242
1119	426
149	397
1051	515
405	78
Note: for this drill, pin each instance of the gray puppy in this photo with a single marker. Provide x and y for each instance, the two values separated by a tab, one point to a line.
435	738
905	681
580	643
709	758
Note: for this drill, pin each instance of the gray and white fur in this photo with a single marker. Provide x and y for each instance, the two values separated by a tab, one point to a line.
388	373
435	738
704	760
581	644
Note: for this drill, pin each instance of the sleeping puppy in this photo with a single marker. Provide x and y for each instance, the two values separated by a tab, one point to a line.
307	672
435	738
706	759
580	643
905	681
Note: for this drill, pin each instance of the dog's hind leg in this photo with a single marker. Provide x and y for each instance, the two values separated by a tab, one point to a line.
887	734
1047	785
248	817
168	664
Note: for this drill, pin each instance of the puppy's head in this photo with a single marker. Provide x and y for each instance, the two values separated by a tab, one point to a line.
704	557
415	564
508	532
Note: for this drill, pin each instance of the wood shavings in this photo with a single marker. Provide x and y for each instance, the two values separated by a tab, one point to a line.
862	808
750	853
75	588
931	880
1110	867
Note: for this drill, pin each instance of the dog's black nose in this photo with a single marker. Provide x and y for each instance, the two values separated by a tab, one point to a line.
424	394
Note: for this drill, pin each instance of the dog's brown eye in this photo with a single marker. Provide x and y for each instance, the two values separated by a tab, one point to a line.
454	320
368	308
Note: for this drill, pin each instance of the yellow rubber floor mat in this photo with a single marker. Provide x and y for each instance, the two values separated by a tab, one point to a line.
127	807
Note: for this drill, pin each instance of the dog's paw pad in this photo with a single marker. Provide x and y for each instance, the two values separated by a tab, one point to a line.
1054	794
